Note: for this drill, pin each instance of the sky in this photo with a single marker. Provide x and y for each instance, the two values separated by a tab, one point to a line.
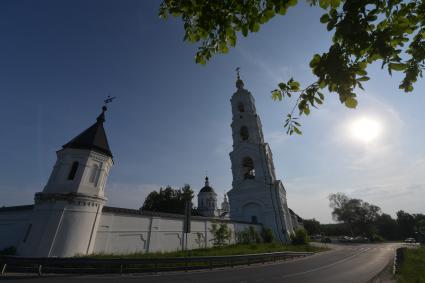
170	122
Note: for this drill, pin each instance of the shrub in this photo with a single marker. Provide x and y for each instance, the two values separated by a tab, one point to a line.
248	236
300	237
221	234
267	235
376	238
8	251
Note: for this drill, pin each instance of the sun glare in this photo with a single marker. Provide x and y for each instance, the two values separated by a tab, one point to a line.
365	129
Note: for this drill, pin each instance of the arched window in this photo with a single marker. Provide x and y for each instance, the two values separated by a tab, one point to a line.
93	175
244	133
248	168
73	170
241	108
254	219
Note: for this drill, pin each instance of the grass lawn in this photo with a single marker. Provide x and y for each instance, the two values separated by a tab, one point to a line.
412	269
220	251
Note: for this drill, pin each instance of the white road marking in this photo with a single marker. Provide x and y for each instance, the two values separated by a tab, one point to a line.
326	266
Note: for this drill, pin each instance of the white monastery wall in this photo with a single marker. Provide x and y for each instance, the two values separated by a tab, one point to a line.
121	231
13	225
126	231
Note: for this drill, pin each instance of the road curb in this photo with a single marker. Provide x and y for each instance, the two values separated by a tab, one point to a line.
388	269
42	266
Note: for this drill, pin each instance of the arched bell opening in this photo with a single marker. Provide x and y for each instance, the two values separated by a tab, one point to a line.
248	168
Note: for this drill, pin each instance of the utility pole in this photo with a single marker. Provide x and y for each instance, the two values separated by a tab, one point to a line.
186	222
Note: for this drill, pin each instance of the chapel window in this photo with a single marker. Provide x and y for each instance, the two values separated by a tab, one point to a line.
73	171
241	108
248	168
93	174
244	133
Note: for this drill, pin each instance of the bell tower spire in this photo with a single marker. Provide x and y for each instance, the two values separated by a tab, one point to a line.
256	194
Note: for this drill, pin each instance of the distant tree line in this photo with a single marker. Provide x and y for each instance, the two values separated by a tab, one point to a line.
359	218
169	200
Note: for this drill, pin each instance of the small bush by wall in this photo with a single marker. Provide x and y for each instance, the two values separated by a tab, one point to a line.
267	235
248	236
221	234
300	237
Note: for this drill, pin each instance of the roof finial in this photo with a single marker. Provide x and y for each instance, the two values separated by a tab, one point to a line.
239	82
207	183
109	99
101	117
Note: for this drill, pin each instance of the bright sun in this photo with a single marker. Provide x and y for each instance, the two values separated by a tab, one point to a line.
365	129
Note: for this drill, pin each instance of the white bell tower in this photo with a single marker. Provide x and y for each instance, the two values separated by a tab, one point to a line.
67	212
256	194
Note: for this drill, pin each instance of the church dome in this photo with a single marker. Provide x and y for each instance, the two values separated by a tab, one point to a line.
207	188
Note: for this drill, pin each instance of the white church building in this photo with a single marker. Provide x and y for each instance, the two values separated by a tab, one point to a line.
69	216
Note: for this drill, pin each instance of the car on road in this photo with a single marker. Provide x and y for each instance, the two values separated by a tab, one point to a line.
326	240
410	240
316	237
345	239
360	239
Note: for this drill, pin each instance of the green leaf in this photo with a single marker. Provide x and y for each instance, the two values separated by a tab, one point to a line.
317	100
269	14
375	57
277	95
363	79
362	65
244	30
361	72
316	59
256	27
324	4
223	47
296	130
324	19
232	40
397	66
292	3
200	59
331	25
295	86
282	10
351	102
229	31
306	110
335	3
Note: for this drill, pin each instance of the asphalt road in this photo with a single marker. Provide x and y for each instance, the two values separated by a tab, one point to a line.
344	263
